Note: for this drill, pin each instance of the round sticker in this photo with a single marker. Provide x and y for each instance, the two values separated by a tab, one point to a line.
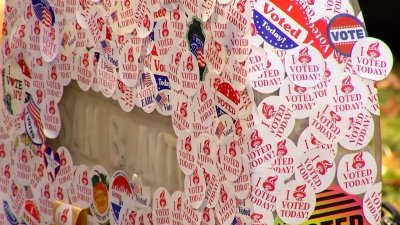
68	40
5	178
100	206
206	151
49	42
31	213
304	65
215	55
129	65
372	59
128	214
33	39
360	132
188	70
238	16
82	186
85	68
45	196
317	169
213	186
265	187
66	68
295	202
186	153
208	217
120	193
266	71
372	104
106	78
225	210
357	172
146	89
172	64
126	96
189	214
286	156
227	99
282	24
162	206
14	87
195	188
347	95
308	142
163	37
242	183
176	212
64	214
39	172
23	165
182	116
335	7
344	31
50	116
263	146
301	99
204	106
65	174
231	159
262	217
277	116
372	204
240	46
326	125
53	87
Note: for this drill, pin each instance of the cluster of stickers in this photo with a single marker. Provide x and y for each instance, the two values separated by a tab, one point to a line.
272	101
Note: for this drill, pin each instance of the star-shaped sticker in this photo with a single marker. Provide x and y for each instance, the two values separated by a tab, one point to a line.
52	165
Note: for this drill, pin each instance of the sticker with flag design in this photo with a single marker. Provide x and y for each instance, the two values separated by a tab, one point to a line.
146	90
126	96
120	194
33	123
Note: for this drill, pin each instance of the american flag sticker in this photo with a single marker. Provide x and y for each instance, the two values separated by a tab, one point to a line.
106	46
146	79
48	17
161	99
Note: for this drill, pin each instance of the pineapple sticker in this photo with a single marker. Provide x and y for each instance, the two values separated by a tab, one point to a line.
101	184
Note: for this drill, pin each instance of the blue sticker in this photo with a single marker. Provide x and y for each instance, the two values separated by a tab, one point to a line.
162	82
11	218
44	12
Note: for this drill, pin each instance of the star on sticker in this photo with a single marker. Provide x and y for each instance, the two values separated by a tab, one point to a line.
52	165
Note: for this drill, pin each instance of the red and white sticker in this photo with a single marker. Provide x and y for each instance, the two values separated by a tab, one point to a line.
286	156
208	217
182	116
266	72
83	187
53	87
215	55
44	195
237	72
317	169
372	59
129	65
206	151
360	132
66	68
213	185
277	116
223	126
97	26
225	210
126	96
106	79
68	40
372	104
265	187
326	125
49	42
188	70
195	188
5	171
372	204
18	38
228	99
162	206
263	149
186	153
295	203
64	215
50	116
14	87
60	194
65	174
300	99
204	106
124	15
240	46
85	68
172	64
335	7
31	214
163	37
176	210
347	95
304	65
128	214
33	39
189	214
146	89
239	16
231	159
23	165
356	173
242	183
262	217
308	142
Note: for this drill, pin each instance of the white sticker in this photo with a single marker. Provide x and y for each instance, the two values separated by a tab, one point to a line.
295	202
68	40
286	156
186	153
372	59
356	173
85	68
265	187
128	214
120	193
317	169
372	104
162	206
308	142
176	212
266	71
225	210
300	99
263	147
372	204
23	165
326	125
66	68
304	65
231	159
106	79
5	171
347	95
126	96
277	116
190	215
360	132
213	186
242	183
45	196
53	87
195	188
129	65
188	71
50	116
14	87
262	217
82	185
206	151
49	42
215	55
